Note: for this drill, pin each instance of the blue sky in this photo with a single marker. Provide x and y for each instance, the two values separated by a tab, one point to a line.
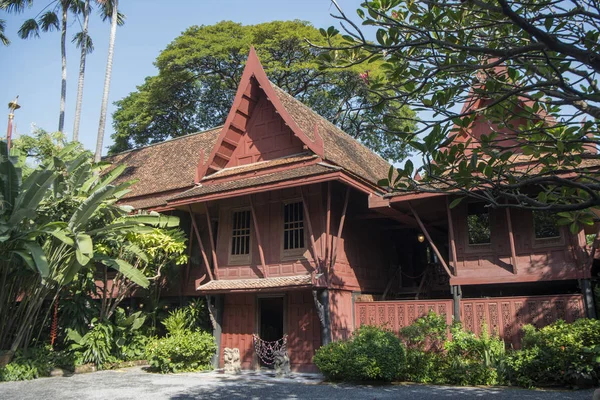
31	68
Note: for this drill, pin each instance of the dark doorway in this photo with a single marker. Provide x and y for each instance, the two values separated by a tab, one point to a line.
271	318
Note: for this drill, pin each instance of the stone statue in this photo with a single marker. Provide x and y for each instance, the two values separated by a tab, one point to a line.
281	362
231	360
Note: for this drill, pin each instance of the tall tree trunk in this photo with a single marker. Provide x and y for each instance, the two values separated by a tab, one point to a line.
107	77
63	52
86	18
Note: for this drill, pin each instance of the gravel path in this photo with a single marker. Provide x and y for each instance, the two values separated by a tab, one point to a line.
134	383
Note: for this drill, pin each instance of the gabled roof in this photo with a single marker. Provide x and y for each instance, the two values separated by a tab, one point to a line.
319	135
197	164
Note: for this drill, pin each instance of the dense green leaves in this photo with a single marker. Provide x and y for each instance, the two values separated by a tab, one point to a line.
506	92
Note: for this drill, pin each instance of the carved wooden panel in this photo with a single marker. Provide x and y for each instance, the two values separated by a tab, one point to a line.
502	316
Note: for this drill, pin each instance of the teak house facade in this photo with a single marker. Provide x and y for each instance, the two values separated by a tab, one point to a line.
289	234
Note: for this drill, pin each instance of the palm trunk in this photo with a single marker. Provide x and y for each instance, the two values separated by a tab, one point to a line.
63	52
86	18
107	77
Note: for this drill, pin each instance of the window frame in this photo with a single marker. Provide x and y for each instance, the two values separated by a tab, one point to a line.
555	241
467	236
240	258
291	254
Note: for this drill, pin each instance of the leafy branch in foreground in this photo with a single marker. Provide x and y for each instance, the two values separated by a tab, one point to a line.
506	93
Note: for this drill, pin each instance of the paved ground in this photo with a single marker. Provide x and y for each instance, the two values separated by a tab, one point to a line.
134	383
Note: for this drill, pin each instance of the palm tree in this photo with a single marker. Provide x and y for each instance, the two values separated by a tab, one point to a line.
3	38
111	7
48	21
84	42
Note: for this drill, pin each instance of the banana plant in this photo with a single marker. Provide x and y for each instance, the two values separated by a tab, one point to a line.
48	226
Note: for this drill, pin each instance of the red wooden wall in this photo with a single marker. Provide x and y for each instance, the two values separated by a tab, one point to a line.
267	137
239	319
302	327
504	316
395	315
304	334
537	259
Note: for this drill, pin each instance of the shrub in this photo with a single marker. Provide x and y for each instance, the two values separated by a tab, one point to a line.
37	362
424	341
472	359
188	318
371	354
182	352
558	353
95	346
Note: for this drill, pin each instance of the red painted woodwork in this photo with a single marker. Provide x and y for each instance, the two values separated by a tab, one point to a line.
253	84
503	316
506	316
395	315
537	259
342	318
239	319
266	138
304	332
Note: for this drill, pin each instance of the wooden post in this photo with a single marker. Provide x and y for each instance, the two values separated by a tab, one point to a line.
588	299
340	229
199	239
259	242
328	227
426	233
191	243
456	298
310	230
511	239
212	242
451	237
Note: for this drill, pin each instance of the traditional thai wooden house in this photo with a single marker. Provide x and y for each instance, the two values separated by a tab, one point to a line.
290	234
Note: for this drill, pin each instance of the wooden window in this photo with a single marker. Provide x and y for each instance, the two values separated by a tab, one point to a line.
545	225
478	224
293	226
240	235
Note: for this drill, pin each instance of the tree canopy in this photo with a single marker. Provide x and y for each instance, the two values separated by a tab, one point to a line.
525	70
200	70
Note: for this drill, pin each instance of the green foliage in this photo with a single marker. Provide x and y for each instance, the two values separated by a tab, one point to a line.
424	340
95	346
460	359
199	72
560	353
482	56
188	318
130	342
371	354
473	360
181	352
37	362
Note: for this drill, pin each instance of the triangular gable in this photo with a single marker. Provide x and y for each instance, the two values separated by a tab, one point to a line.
255	92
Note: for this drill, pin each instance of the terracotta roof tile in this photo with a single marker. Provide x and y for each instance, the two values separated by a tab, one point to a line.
165	166
251	285
305	171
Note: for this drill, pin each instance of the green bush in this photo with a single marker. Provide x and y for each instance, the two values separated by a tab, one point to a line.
464	359
35	363
189	318
424	341
472	359
182	352
371	354
96	346
560	353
